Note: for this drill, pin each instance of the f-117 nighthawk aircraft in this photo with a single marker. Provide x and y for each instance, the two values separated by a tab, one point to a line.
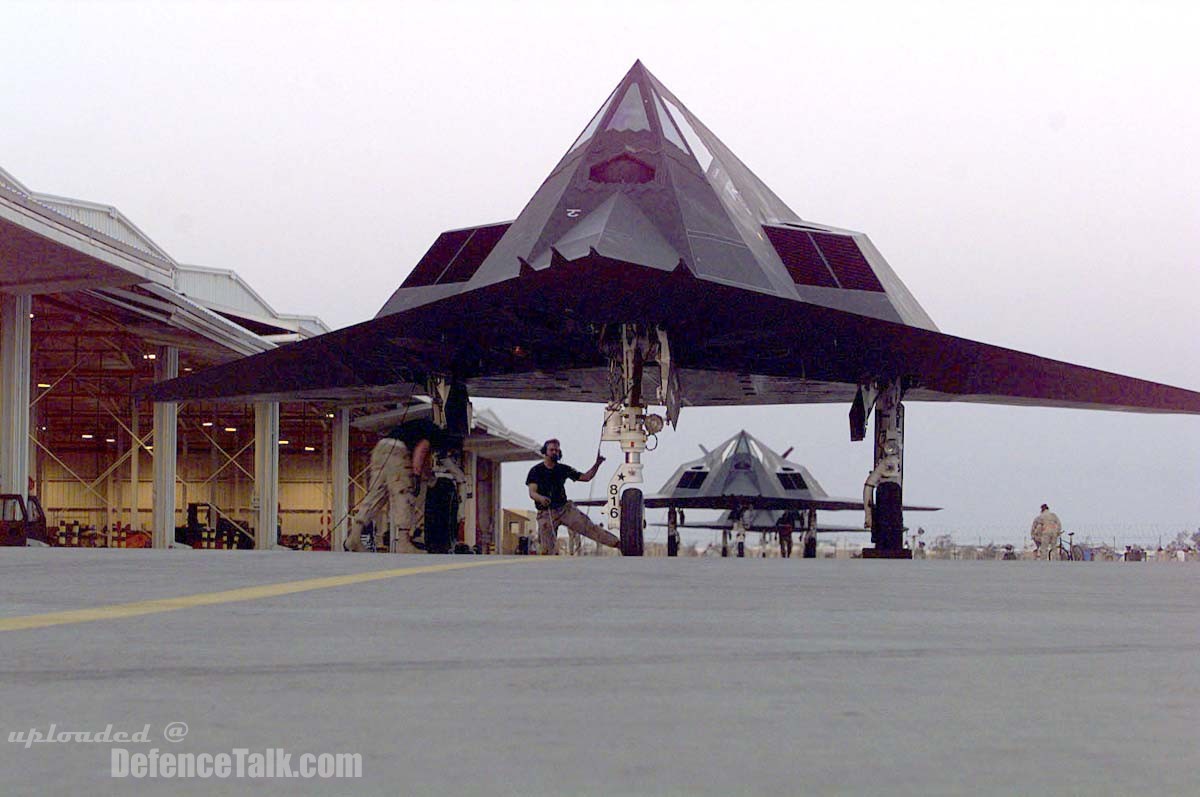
758	489
653	267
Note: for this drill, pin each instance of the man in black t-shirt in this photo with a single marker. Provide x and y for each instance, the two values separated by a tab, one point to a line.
547	487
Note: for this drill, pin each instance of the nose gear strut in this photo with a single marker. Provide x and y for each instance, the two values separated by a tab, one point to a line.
629	348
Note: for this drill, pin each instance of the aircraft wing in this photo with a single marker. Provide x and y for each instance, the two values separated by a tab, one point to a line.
731	346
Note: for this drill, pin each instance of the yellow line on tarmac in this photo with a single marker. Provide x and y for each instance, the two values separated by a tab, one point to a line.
119	610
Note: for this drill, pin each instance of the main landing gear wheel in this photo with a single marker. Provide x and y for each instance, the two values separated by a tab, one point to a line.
889	517
632	522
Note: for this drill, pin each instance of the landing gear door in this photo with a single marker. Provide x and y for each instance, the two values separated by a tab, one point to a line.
668	384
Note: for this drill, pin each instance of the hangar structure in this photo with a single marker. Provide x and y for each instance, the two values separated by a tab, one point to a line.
92	311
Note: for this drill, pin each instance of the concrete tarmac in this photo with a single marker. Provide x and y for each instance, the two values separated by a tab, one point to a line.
609	676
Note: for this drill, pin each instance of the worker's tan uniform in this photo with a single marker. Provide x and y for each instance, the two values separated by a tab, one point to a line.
568	515
1046	530
390	494
785	541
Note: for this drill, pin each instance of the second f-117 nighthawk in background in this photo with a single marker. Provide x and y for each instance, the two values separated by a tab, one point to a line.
758	489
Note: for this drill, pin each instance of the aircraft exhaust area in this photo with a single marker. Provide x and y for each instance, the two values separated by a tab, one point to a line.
528	675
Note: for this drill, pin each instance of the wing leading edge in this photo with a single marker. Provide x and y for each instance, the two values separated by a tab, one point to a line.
732	347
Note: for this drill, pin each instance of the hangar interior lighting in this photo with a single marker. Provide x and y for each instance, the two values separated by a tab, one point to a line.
231	428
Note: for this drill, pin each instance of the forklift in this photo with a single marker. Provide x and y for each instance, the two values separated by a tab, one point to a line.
202	532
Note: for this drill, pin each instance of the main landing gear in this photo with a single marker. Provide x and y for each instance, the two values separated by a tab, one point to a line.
883	493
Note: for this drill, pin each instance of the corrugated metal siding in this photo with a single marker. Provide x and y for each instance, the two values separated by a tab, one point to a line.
106	221
310	327
303	492
304	495
221	289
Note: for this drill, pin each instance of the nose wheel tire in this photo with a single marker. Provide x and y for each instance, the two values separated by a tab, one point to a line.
632	522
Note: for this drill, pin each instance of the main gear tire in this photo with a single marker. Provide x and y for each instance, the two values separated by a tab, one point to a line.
888	528
441	517
632	522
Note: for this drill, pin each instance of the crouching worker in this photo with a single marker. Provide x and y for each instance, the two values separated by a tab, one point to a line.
401	468
1046	530
546	482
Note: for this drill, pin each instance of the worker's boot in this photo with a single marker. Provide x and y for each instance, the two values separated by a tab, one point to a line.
354	538
410	542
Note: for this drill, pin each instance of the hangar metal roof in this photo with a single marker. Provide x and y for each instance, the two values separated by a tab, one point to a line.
92	256
46	249
224	292
107	220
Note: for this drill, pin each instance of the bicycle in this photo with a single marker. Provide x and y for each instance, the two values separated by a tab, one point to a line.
1070	552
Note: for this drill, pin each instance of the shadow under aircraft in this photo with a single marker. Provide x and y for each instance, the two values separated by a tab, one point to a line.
653	267
758	489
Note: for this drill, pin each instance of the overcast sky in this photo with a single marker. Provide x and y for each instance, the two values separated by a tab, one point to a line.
1028	169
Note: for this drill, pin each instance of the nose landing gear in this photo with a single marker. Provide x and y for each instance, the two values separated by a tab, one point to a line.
626	422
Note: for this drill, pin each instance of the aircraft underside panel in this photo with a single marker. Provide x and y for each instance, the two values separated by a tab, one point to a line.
757	502
700	388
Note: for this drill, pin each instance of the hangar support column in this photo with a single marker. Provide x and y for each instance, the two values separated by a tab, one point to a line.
266	473
341	479
14	392
166	436
135	456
